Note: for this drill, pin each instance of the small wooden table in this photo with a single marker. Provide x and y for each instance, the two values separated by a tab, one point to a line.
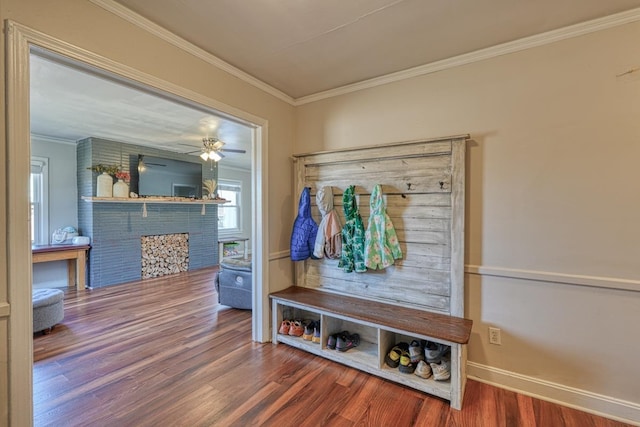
78	253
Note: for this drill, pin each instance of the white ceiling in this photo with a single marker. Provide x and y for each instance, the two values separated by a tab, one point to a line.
299	47
304	47
70	103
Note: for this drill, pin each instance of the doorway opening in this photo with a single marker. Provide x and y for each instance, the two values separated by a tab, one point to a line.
22	42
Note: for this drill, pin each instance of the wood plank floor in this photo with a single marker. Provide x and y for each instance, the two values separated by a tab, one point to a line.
162	352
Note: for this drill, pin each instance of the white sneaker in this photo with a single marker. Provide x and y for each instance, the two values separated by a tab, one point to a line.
433	351
423	370
442	370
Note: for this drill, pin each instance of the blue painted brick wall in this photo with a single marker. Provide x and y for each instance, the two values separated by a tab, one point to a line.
116	228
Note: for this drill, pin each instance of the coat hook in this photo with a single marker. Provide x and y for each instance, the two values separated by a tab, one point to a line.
409	186
442	185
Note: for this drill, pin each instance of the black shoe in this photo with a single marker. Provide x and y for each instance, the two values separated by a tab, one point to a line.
406	367
333	339
346	342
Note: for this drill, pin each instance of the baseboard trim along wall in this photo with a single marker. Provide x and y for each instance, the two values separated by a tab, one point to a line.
546	276
605	406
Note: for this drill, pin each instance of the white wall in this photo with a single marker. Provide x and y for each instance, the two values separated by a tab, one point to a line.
552	194
63	196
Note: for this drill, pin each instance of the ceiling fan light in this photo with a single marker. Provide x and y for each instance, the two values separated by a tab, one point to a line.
204	156
215	156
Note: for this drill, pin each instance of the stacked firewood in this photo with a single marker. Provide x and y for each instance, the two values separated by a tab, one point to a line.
164	254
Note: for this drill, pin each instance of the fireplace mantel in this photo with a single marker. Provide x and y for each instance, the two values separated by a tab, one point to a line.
160	200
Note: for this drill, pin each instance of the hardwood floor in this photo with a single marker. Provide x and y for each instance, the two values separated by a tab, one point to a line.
162	352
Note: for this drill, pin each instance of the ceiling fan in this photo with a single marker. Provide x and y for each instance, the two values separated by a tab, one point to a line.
212	149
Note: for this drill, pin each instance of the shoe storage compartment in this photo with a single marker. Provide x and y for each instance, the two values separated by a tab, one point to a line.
365	353
388	340
379	332
289	312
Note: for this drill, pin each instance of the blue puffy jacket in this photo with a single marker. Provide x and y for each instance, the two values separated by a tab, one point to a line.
305	229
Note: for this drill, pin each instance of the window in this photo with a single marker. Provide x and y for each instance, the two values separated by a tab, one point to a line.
230	214
39	197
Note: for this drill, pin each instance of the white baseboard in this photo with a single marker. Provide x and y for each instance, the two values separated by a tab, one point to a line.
605	406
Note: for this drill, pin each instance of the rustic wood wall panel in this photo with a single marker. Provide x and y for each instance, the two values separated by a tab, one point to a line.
423	186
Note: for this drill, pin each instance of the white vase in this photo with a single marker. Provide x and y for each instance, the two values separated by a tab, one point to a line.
120	189
104	185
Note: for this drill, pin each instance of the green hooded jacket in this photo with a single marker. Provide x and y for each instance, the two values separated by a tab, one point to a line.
381	247
352	257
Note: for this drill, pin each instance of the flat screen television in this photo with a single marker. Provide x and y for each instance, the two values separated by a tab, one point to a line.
167	177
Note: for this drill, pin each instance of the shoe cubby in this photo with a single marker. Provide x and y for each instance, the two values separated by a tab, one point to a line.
379	332
388	340
291	313
365	353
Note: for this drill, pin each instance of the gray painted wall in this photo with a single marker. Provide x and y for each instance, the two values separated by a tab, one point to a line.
62	202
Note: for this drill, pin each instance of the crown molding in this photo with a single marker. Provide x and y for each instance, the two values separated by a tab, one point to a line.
166	35
541	39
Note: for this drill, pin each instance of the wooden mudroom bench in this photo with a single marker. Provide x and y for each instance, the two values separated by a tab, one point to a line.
420	296
380	326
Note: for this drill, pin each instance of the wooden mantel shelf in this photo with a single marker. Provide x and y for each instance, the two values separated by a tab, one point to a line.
161	200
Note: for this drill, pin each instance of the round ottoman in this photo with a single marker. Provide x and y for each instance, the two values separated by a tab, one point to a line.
48	309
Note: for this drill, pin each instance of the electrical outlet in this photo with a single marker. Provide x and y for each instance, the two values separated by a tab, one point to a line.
494	336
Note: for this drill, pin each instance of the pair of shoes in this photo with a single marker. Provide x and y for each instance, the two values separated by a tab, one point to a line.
434	351
312	331
392	358
284	327
294	328
416	351
347	342
423	369
343	341
442	370
333	339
